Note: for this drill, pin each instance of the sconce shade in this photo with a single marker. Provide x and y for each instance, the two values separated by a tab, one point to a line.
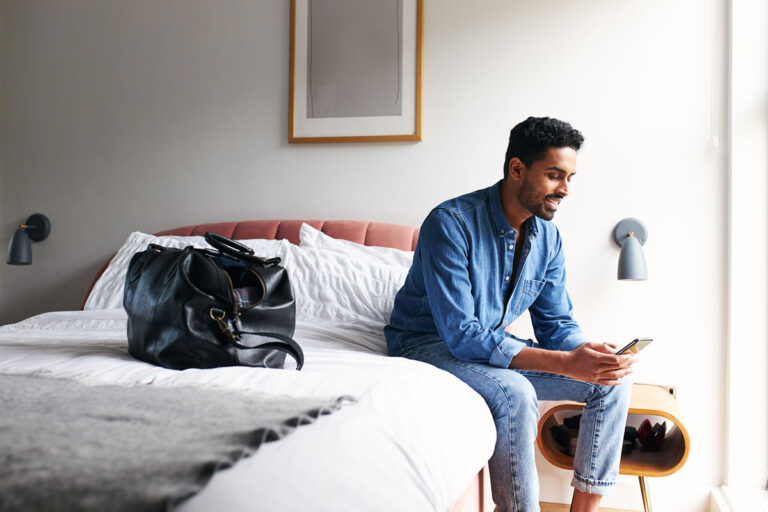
632	261
630	234
36	229
20	248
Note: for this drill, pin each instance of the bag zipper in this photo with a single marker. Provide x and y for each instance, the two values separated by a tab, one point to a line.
222	314
236	311
235	302
235	308
263	291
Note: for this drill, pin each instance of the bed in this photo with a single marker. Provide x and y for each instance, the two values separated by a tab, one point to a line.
417	439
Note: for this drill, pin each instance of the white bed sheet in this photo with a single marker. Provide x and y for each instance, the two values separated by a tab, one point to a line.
413	441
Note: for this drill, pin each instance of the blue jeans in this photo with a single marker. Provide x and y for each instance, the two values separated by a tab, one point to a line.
512	396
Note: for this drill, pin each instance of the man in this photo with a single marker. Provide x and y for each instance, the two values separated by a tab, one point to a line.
483	259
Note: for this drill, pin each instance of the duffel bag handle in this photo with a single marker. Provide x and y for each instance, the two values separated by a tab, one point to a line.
235	249
227	245
286	344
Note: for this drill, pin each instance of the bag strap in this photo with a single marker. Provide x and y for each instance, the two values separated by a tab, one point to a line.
285	344
227	245
235	249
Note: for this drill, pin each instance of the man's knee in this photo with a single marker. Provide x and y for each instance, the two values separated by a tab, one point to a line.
514	396
617	394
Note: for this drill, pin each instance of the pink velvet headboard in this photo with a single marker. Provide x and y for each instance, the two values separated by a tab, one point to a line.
366	233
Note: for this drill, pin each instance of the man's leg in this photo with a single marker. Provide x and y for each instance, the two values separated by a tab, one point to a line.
585	502
512	401
601	431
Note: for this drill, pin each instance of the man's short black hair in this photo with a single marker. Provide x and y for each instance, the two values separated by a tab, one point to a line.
530	140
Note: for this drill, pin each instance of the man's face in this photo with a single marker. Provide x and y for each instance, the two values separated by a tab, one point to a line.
545	183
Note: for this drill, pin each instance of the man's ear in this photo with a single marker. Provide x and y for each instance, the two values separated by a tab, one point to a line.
516	169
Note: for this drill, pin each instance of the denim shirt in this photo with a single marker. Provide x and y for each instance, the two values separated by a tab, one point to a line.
458	288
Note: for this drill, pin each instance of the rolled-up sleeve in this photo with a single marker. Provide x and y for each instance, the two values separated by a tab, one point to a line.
445	267
552	311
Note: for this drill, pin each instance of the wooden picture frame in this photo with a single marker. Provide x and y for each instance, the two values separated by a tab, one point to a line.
355	71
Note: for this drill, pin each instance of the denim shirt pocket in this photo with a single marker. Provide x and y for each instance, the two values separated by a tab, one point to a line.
531	290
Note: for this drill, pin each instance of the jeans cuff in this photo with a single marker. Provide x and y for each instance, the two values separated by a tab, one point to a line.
587	485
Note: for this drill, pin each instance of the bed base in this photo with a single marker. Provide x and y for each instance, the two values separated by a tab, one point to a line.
476	497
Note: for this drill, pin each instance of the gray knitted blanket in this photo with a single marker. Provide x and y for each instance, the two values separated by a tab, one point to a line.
69	446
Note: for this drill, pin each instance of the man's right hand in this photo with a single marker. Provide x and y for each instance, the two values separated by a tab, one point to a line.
597	363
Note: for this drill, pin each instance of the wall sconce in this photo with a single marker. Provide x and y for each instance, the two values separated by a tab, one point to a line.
630	234
36	228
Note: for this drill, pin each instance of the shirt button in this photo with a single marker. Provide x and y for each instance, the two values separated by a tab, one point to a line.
511	246
506	278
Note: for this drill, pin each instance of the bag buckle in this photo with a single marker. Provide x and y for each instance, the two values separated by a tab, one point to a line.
218	316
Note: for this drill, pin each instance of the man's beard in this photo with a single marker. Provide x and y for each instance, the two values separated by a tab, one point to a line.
527	197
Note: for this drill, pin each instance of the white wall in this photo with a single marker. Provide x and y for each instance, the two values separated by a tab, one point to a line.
748	278
152	114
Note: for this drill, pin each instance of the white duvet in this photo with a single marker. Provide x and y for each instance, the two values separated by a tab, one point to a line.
413	441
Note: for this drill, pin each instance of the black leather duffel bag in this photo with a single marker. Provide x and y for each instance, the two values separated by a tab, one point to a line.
204	308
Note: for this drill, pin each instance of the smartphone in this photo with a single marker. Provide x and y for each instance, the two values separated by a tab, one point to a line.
635	346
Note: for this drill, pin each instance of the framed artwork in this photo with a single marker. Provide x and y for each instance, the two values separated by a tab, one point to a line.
355	71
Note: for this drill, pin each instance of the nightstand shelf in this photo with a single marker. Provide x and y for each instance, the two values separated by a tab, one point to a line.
647	401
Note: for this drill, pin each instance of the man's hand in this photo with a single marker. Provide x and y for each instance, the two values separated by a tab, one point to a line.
597	363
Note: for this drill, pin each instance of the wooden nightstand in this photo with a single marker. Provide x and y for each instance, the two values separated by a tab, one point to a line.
647	400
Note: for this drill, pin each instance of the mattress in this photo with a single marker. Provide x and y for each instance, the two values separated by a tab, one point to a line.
412	442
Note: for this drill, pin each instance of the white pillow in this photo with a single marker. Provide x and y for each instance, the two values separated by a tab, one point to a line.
313	238
107	293
336	289
330	287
